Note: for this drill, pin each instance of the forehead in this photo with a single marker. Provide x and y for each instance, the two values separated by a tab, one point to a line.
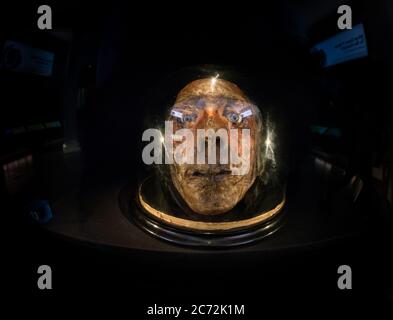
201	102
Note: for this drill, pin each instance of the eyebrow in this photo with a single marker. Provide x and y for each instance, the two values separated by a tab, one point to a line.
177	114
246	113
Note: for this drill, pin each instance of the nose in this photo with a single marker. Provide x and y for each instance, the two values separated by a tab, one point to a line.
210	111
217	143
211	119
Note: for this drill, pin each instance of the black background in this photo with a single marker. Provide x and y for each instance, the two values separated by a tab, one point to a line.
134	47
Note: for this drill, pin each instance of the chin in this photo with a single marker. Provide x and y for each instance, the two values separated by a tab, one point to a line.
212	208
209	197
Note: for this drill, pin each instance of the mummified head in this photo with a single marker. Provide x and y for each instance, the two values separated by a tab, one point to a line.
216	104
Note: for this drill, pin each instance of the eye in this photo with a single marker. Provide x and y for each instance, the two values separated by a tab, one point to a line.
189	117
233	117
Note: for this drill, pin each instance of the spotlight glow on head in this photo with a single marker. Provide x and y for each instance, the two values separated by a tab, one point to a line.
214	81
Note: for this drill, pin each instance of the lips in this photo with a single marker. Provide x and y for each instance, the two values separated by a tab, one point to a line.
208	172
209	176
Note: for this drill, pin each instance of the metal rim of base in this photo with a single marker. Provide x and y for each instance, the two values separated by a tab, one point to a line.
235	233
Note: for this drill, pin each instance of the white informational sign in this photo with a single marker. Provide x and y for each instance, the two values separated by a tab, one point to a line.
22	58
347	45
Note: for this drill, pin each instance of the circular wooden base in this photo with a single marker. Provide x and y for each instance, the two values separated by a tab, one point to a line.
158	216
203	225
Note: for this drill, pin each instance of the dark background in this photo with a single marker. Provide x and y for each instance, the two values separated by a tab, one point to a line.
119	54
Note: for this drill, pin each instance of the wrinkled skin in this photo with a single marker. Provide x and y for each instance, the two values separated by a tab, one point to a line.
211	188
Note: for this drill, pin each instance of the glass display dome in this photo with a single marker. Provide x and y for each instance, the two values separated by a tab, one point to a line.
214	150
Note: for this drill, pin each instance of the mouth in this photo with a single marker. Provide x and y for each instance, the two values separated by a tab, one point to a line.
221	173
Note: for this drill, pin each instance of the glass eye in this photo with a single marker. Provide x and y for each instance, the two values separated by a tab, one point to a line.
189	117
233	117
